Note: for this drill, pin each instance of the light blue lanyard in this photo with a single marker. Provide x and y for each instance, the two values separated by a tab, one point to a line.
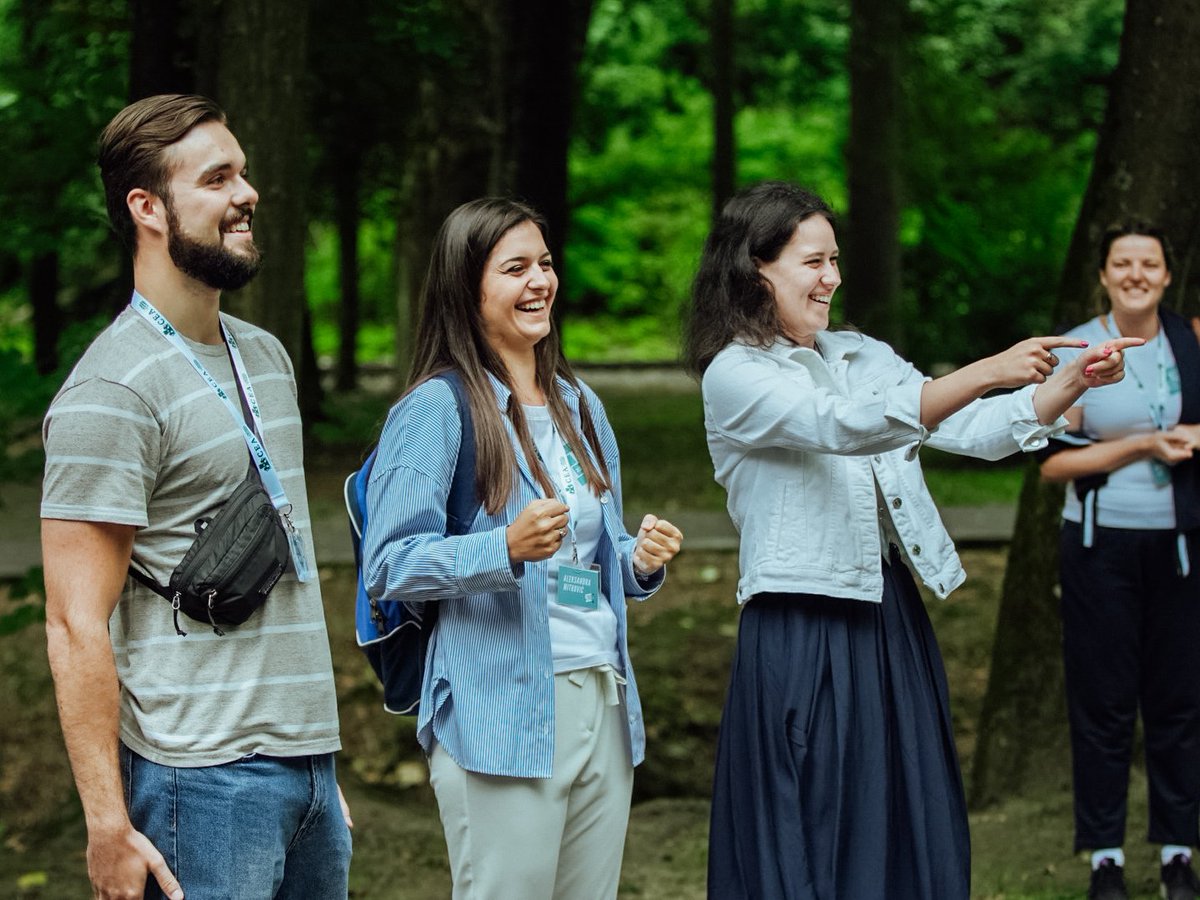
258	452
1158	403
566	485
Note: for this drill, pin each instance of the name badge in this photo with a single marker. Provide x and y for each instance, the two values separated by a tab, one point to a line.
299	557
578	586
1161	472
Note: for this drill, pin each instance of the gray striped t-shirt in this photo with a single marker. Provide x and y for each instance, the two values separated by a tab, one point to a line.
136	437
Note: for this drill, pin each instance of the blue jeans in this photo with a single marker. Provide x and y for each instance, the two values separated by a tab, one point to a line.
257	828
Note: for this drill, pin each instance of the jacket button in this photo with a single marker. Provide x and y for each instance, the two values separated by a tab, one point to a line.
897	502
604	499
916	550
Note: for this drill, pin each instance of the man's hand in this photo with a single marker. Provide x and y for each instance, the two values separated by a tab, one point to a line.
119	862
345	808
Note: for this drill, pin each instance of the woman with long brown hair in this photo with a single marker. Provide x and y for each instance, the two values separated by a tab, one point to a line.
529	709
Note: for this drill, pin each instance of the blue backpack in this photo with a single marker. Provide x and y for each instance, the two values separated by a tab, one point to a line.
394	635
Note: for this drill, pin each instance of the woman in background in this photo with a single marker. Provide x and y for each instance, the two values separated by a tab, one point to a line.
1128	569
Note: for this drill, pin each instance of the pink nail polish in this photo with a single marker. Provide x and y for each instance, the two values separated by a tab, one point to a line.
1087	371
1083	343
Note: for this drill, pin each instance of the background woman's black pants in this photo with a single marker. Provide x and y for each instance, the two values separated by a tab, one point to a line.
1131	636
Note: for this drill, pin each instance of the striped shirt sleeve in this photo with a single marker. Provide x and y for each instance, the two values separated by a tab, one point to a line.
406	555
102	454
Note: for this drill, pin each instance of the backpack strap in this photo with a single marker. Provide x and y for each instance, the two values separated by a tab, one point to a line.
462	504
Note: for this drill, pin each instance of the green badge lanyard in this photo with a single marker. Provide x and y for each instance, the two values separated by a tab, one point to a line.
567	464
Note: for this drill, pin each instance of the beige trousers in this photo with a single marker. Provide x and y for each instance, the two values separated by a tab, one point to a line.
557	838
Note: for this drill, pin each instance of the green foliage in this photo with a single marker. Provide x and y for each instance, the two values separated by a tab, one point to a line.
612	339
25	606
1001	101
62	70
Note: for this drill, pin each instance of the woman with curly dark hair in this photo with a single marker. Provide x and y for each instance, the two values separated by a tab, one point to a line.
836	774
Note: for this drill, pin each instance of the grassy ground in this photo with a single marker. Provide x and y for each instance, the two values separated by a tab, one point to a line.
681	641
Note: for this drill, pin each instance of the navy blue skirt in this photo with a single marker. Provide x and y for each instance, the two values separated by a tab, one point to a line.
836	774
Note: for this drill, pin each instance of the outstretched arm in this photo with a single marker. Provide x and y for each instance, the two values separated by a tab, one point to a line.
85	569
1032	361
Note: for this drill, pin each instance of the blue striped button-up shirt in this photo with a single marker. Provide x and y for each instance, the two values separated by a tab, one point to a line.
488	693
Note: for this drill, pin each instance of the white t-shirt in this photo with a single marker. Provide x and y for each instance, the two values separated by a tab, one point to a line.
1148	396
579	638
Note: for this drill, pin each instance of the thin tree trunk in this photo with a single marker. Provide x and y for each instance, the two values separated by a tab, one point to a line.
261	83
47	320
347	213
548	43
160	61
724	161
1144	169
872	240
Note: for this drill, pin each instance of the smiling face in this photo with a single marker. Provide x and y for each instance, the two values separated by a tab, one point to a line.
517	291
803	279
209	208
1135	274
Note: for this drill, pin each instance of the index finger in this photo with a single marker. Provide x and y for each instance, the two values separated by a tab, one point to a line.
554	507
1053	341
1122	343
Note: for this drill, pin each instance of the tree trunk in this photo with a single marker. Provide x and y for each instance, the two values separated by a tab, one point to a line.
347	213
724	161
1144	169
160	62
261	86
544	55
872	241
47	320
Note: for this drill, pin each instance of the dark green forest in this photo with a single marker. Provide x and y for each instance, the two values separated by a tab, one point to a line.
377	117
973	149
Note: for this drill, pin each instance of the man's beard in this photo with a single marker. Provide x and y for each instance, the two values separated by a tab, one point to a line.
213	265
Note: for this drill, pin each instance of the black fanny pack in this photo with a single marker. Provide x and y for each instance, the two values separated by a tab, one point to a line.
238	556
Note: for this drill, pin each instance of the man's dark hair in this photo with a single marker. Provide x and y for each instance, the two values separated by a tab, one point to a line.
132	151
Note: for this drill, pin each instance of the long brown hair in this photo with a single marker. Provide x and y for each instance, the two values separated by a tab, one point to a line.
450	336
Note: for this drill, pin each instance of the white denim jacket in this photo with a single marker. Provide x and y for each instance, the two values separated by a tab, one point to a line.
799	440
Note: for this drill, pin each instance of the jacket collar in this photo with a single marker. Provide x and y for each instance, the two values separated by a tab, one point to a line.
831	346
570	394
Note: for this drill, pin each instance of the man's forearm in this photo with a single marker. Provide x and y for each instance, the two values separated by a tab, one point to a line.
86	689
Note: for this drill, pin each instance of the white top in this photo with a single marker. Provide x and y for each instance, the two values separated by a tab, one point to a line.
800	439
1137	404
579	638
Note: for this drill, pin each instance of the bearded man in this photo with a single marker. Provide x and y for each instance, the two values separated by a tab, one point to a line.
203	757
